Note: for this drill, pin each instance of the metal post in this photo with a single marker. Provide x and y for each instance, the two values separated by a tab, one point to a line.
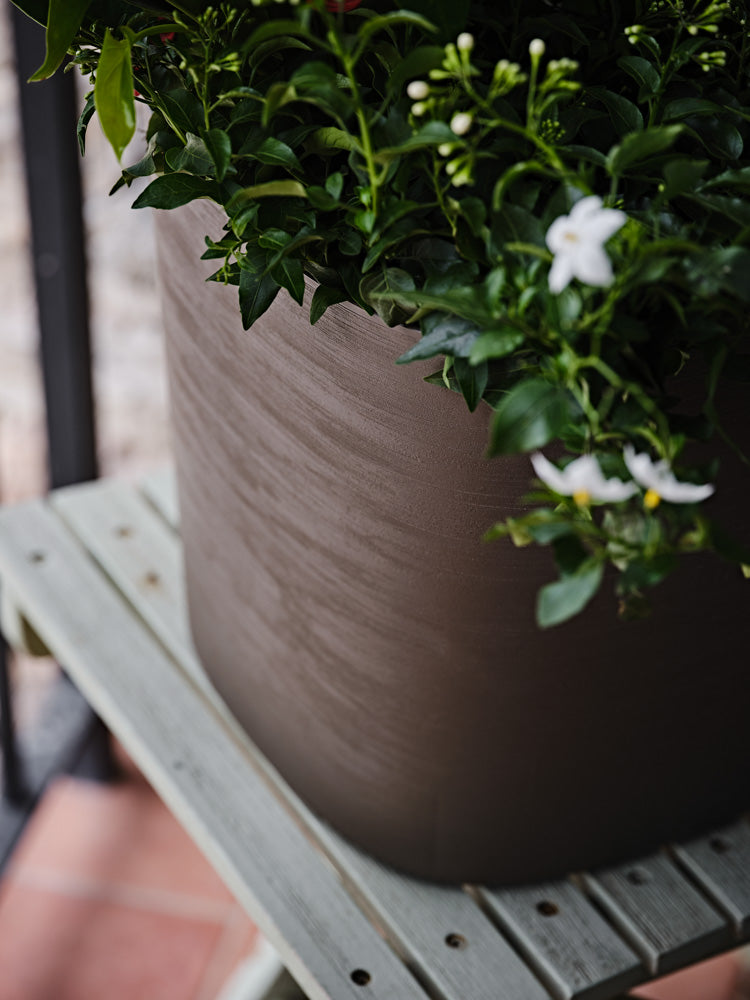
48	117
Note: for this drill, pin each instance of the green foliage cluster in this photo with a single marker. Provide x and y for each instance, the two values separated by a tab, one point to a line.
410	157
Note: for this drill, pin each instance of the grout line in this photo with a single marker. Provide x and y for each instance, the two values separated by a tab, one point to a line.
165	901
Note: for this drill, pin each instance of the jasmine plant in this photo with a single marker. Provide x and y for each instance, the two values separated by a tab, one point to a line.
553	195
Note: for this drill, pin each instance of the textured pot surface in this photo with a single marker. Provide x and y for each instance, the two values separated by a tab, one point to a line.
380	654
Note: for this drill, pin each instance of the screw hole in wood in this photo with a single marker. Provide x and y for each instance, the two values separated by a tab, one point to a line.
123	531
637	876
151	578
360	977
547	908
455	941
36	557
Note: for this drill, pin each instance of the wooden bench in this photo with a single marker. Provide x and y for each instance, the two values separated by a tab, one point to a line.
94	573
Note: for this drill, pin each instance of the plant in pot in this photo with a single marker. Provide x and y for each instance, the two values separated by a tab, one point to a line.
493	265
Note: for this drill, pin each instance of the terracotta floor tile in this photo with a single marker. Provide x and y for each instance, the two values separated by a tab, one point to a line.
117	835
716	979
54	947
239	939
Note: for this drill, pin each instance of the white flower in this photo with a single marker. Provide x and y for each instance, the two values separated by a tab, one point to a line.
418	90
465	42
577	241
659	481
582	479
461	123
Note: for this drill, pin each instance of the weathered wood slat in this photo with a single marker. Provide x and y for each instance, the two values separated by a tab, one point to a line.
721	864
563	936
96	514
441	929
160	489
130	541
663	916
196	766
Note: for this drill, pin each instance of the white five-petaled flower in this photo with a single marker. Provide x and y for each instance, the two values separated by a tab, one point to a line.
659	481
577	241
582	479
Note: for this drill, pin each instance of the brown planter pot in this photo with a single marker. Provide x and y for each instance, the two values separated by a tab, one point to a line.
381	655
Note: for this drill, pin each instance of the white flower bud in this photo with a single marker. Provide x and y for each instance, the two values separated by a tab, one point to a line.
445	148
536	48
418	109
461	123
465	42
418	90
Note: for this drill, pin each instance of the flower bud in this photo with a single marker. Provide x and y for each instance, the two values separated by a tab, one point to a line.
465	42
461	123
536	48
418	90
418	109
445	148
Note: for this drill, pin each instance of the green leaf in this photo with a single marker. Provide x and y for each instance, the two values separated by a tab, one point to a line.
63	21
257	292
561	600
643	72
682	175
450	16
450	335
624	115
495	344
193	157
83	121
532	413
219	146
416	64
271	189
379	291
173	190
35	9
289	274
386	21
472	380
722	270
738	179
719	137
639	146
323	297
686	106
113	93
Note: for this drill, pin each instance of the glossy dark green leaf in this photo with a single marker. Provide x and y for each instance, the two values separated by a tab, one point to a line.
387	21
720	137
449	16
35	9
624	115
379	290
495	344
472	380
561	600
686	106
416	65
83	121
257	292
63	19
323	297
450	335
219	146
173	190
289	274
113	92
531	414
643	72
193	157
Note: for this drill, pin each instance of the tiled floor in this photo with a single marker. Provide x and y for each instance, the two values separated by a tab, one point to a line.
106	896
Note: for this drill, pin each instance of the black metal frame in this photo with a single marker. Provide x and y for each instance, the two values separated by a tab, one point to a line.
48	115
